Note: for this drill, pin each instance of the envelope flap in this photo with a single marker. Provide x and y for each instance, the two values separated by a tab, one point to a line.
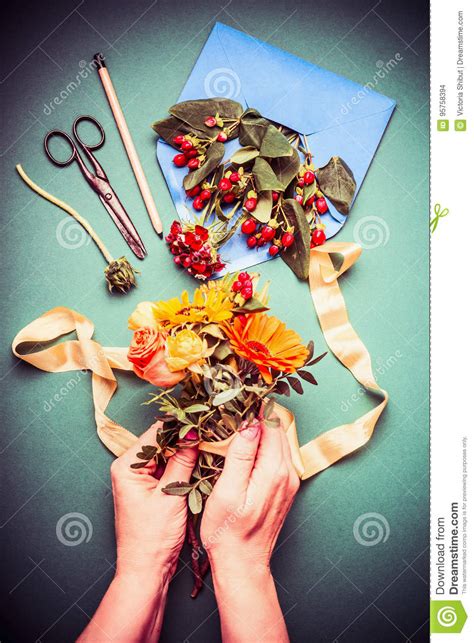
291	91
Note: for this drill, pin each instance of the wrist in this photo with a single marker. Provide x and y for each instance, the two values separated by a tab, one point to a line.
231	574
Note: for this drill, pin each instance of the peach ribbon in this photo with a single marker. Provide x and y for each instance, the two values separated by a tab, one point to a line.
315	456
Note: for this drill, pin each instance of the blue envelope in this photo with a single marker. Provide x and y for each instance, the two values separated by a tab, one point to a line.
338	117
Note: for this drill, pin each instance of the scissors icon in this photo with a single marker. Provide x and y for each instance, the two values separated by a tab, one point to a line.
97	181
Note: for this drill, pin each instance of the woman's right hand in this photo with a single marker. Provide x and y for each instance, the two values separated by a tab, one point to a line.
242	519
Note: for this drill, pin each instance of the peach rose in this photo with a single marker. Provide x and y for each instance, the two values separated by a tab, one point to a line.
143	316
147	354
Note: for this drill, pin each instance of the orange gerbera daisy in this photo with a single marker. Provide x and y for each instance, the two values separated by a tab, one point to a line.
267	342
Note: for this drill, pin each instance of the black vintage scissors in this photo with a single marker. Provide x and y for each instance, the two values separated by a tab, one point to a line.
98	181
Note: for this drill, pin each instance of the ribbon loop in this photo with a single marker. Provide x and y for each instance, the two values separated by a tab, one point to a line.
313	457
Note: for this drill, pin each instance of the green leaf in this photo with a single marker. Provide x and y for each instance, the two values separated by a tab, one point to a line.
214	156
275	144
177	488
195	501
252	129
265	178
297	255
206	487
286	168
195	112
337	183
263	211
168	128
309	377
225	396
259	132
196	408
244	155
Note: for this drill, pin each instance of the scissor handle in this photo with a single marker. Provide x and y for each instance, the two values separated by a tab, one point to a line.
84	145
60	134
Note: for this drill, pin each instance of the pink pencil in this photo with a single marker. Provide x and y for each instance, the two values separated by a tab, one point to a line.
128	143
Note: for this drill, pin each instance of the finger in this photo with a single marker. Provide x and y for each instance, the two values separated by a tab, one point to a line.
240	458
180	466
123	462
270	452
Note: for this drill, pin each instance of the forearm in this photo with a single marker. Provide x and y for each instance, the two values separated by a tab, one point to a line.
248	604
131	610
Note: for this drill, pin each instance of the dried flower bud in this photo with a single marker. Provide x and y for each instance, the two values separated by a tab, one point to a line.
120	275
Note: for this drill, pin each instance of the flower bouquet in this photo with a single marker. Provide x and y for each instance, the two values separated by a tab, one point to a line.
217	356
268	190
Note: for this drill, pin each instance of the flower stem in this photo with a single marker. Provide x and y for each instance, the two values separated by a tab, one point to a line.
67	208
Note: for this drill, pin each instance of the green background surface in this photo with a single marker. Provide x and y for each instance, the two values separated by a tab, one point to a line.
331	587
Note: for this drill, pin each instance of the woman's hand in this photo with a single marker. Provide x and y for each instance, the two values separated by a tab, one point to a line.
150	528
241	522
150	525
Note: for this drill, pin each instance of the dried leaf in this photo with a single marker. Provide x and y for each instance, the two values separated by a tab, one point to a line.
195	501
196	408
337	183
195	112
206	487
225	396
295	385
282	388
316	359
177	488
306	375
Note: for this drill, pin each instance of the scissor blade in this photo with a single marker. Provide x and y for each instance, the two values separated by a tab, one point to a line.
123	222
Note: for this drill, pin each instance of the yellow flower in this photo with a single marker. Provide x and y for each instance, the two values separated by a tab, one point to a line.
205	307
184	349
143	317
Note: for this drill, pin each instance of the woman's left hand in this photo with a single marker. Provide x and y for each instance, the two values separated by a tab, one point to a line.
150	528
150	525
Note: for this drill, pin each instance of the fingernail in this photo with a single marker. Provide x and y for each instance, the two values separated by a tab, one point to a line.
250	430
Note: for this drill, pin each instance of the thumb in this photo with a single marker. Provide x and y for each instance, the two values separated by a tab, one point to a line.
240	458
180	466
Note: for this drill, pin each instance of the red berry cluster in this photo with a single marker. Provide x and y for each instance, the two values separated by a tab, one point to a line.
271	234
192	250
310	197
243	285
200	195
189	156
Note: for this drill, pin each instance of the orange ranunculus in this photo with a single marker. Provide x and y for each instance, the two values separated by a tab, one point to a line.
266	342
147	354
